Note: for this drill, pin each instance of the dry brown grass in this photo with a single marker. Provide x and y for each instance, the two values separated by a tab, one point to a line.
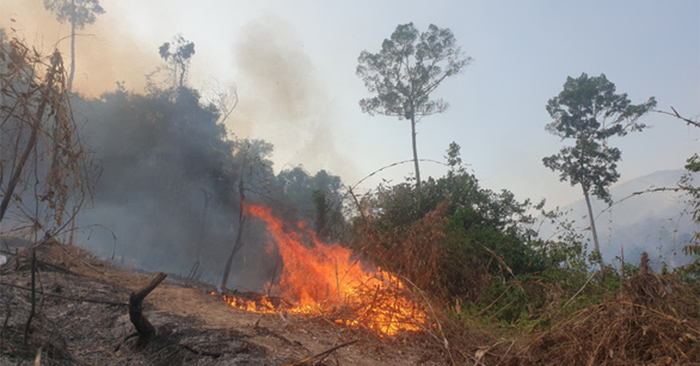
653	320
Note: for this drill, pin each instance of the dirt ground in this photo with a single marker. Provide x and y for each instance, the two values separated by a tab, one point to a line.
82	319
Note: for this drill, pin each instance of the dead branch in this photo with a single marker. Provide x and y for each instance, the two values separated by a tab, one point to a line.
145	329
677	115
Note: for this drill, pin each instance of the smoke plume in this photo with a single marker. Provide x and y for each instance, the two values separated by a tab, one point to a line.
282	100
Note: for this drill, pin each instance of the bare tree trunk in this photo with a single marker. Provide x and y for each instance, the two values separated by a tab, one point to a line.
415	151
236	247
593	229
241	220
196	272
72	50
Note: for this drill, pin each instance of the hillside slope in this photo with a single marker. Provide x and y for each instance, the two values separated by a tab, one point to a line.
639	220
82	318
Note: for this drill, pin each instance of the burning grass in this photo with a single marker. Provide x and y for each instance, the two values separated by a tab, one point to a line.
325	280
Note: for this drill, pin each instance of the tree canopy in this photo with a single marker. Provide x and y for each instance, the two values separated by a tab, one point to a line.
178	55
78	12
589	111
408	68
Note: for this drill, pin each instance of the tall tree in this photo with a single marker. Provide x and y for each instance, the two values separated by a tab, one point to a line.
589	111
79	13
403	74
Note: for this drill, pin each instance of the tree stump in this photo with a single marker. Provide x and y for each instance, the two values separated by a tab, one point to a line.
145	329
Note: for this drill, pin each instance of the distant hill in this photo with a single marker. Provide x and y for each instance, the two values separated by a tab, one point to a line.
655	222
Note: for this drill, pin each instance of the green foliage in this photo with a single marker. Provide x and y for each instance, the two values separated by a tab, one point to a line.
458	240
566	250
484	233
454	161
589	111
692	271
409	67
160	140
403	74
541	299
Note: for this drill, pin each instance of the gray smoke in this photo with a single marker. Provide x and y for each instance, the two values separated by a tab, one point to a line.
283	101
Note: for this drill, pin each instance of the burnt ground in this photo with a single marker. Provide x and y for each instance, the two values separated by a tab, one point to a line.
82	319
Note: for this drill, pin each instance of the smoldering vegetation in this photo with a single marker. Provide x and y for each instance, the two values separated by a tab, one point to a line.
169	175
173	179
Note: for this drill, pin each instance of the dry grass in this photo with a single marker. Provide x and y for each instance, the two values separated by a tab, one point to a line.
653	320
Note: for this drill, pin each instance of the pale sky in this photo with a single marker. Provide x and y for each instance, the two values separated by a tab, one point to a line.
294	65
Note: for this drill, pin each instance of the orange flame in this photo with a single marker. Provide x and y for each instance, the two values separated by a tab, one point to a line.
319	278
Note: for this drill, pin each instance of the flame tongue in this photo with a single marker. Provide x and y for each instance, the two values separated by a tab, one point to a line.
316	276
311	274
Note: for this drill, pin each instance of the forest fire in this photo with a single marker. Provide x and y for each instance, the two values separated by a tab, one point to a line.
320	279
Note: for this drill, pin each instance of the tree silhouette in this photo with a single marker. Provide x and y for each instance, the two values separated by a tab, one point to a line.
403	74
589	111
79	13
178	54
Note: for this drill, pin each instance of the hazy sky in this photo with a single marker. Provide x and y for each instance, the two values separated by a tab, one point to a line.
294	64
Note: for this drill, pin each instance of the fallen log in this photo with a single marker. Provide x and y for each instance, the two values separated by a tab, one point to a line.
145	329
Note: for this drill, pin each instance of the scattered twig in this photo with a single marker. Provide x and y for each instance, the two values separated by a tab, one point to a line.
579	290
499	259
506	353
204	353
484	310
321	355
445	342
666	316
